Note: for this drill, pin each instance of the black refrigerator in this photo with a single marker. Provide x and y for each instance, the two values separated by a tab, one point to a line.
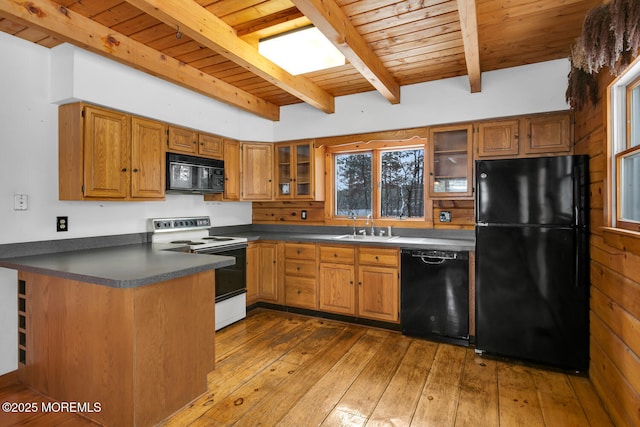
532	260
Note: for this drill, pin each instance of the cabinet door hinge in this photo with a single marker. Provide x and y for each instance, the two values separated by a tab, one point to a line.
82	113
82	188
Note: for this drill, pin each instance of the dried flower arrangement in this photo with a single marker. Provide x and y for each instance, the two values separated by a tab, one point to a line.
610	38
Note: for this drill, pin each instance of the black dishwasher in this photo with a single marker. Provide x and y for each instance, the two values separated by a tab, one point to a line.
435	295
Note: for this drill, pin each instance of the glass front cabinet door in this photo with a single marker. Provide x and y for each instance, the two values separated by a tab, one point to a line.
295	170
451	162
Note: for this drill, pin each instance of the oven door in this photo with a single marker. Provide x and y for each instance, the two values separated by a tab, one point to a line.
230	280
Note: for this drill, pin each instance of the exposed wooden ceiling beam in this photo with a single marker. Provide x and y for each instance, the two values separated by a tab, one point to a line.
469	28
204	27
74	28
327	16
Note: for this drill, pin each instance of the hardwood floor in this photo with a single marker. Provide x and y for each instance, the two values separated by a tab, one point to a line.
289	370
283	369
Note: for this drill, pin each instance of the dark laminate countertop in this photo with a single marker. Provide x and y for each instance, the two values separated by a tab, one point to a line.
126	266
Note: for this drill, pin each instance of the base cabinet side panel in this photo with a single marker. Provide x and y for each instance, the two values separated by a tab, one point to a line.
174	329
141	353
70	354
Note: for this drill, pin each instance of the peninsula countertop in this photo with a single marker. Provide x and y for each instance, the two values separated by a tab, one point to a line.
127	266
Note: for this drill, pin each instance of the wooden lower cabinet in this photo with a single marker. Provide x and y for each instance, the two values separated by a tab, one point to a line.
300	284
252	273
379	284
362	282
337	288
378	293
371	290
262	273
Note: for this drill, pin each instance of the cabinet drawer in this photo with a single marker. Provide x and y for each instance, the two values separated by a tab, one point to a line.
293	267
300	250
300	292
337	254
378	256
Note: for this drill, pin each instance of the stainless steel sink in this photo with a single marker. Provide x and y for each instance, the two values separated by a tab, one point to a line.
361	238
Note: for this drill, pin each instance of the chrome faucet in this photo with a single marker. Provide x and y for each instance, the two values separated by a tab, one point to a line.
354	218
370	217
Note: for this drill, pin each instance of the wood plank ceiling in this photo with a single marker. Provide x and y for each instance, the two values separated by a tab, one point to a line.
211	46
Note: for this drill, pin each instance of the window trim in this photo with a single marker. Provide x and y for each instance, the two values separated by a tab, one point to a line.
376	147
619	141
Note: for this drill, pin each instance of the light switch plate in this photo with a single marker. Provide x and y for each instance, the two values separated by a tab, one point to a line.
20	202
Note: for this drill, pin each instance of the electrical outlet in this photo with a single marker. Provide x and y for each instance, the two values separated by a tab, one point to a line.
303	214
62	223
445	216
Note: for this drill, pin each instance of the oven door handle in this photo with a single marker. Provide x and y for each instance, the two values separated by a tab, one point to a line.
220	249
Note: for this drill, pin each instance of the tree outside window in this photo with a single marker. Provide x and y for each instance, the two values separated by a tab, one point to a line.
353	184
401	183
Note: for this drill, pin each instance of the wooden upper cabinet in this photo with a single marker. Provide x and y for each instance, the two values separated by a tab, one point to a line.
231	169
231	157
498	138
183	140
257	171
548	133
189	141
106	153
210	146
545	134
109	155
299	169
147	158
451	156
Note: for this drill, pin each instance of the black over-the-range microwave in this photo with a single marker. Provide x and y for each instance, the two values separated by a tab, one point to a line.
195	175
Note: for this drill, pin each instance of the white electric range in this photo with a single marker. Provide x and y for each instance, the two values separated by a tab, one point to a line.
191	234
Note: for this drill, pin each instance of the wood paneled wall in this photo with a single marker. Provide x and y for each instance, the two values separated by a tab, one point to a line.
614	369
288	212
462	213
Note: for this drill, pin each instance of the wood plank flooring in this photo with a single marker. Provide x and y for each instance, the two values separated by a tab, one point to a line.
282	369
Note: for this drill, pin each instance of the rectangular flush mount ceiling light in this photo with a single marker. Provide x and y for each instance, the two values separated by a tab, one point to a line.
301	51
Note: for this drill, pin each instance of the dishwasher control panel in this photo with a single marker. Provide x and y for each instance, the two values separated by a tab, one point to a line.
439	254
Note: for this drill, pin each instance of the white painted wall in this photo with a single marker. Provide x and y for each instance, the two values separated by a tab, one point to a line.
33	80
514	91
